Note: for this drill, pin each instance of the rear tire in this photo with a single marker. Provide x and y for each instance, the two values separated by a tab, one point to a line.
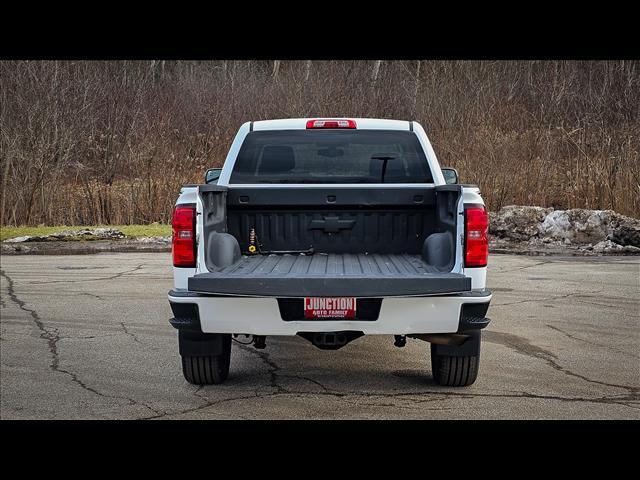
453	371
209	369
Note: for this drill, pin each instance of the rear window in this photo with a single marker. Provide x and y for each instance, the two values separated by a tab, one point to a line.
331	156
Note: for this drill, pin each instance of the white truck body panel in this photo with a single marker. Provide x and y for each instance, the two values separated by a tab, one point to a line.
260	315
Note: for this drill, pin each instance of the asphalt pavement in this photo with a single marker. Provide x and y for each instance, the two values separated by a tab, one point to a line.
87	337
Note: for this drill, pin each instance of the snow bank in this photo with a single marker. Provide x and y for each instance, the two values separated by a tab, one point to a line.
601	231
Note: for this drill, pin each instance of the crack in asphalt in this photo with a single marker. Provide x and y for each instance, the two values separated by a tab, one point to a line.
311	380
409	400
273	367
273	370
131	334
525	347
415	398
82	268
550	299
112	277
517	343
434	395
522	268
208	403
589	342
615	307
52	337
93	295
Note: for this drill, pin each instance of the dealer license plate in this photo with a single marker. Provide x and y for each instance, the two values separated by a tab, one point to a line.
330	307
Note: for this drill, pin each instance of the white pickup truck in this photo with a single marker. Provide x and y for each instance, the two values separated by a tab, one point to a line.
330	229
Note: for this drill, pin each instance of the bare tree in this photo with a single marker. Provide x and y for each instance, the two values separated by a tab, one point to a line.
307	70
415	90
89	142
276	69
376	70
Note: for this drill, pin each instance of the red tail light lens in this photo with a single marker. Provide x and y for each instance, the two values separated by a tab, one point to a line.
184	236
476	226
334	123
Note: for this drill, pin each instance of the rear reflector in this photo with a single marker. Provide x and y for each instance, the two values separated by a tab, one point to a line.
335	123
184	236
476	225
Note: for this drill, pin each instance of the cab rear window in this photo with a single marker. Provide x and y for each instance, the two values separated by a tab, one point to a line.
331	156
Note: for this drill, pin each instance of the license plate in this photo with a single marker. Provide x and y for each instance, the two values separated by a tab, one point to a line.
330	307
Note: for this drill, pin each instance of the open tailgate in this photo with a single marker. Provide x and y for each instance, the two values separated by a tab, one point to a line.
330	275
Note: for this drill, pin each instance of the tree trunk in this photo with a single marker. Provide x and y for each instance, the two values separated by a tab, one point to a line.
276	68
4	188
376	70
307	71
415	91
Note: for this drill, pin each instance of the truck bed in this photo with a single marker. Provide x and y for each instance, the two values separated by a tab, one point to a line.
330	275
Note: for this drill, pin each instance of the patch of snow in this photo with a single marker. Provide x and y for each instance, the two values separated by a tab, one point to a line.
574	228
102	232
154	239
19	239
607	246
517	222
577	225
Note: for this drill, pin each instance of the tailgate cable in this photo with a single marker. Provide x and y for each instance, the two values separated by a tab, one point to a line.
255	247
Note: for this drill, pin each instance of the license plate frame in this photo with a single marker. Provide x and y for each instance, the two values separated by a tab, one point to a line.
330	308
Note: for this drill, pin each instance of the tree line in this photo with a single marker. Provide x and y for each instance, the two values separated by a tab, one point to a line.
111	142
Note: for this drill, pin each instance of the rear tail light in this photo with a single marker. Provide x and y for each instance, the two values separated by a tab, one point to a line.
334	123
184	236
476	225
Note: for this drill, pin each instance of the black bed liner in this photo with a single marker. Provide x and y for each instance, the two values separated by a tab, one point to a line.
331	275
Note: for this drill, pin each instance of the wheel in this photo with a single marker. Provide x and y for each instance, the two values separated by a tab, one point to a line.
454	371
209	369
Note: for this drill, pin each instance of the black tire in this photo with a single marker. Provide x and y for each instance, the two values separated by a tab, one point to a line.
453	371
208	370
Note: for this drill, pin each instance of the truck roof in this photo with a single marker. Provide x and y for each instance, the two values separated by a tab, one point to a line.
361	123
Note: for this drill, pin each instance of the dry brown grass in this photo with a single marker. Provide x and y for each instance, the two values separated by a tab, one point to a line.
112	142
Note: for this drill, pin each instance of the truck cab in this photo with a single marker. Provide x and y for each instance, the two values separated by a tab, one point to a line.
330	229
